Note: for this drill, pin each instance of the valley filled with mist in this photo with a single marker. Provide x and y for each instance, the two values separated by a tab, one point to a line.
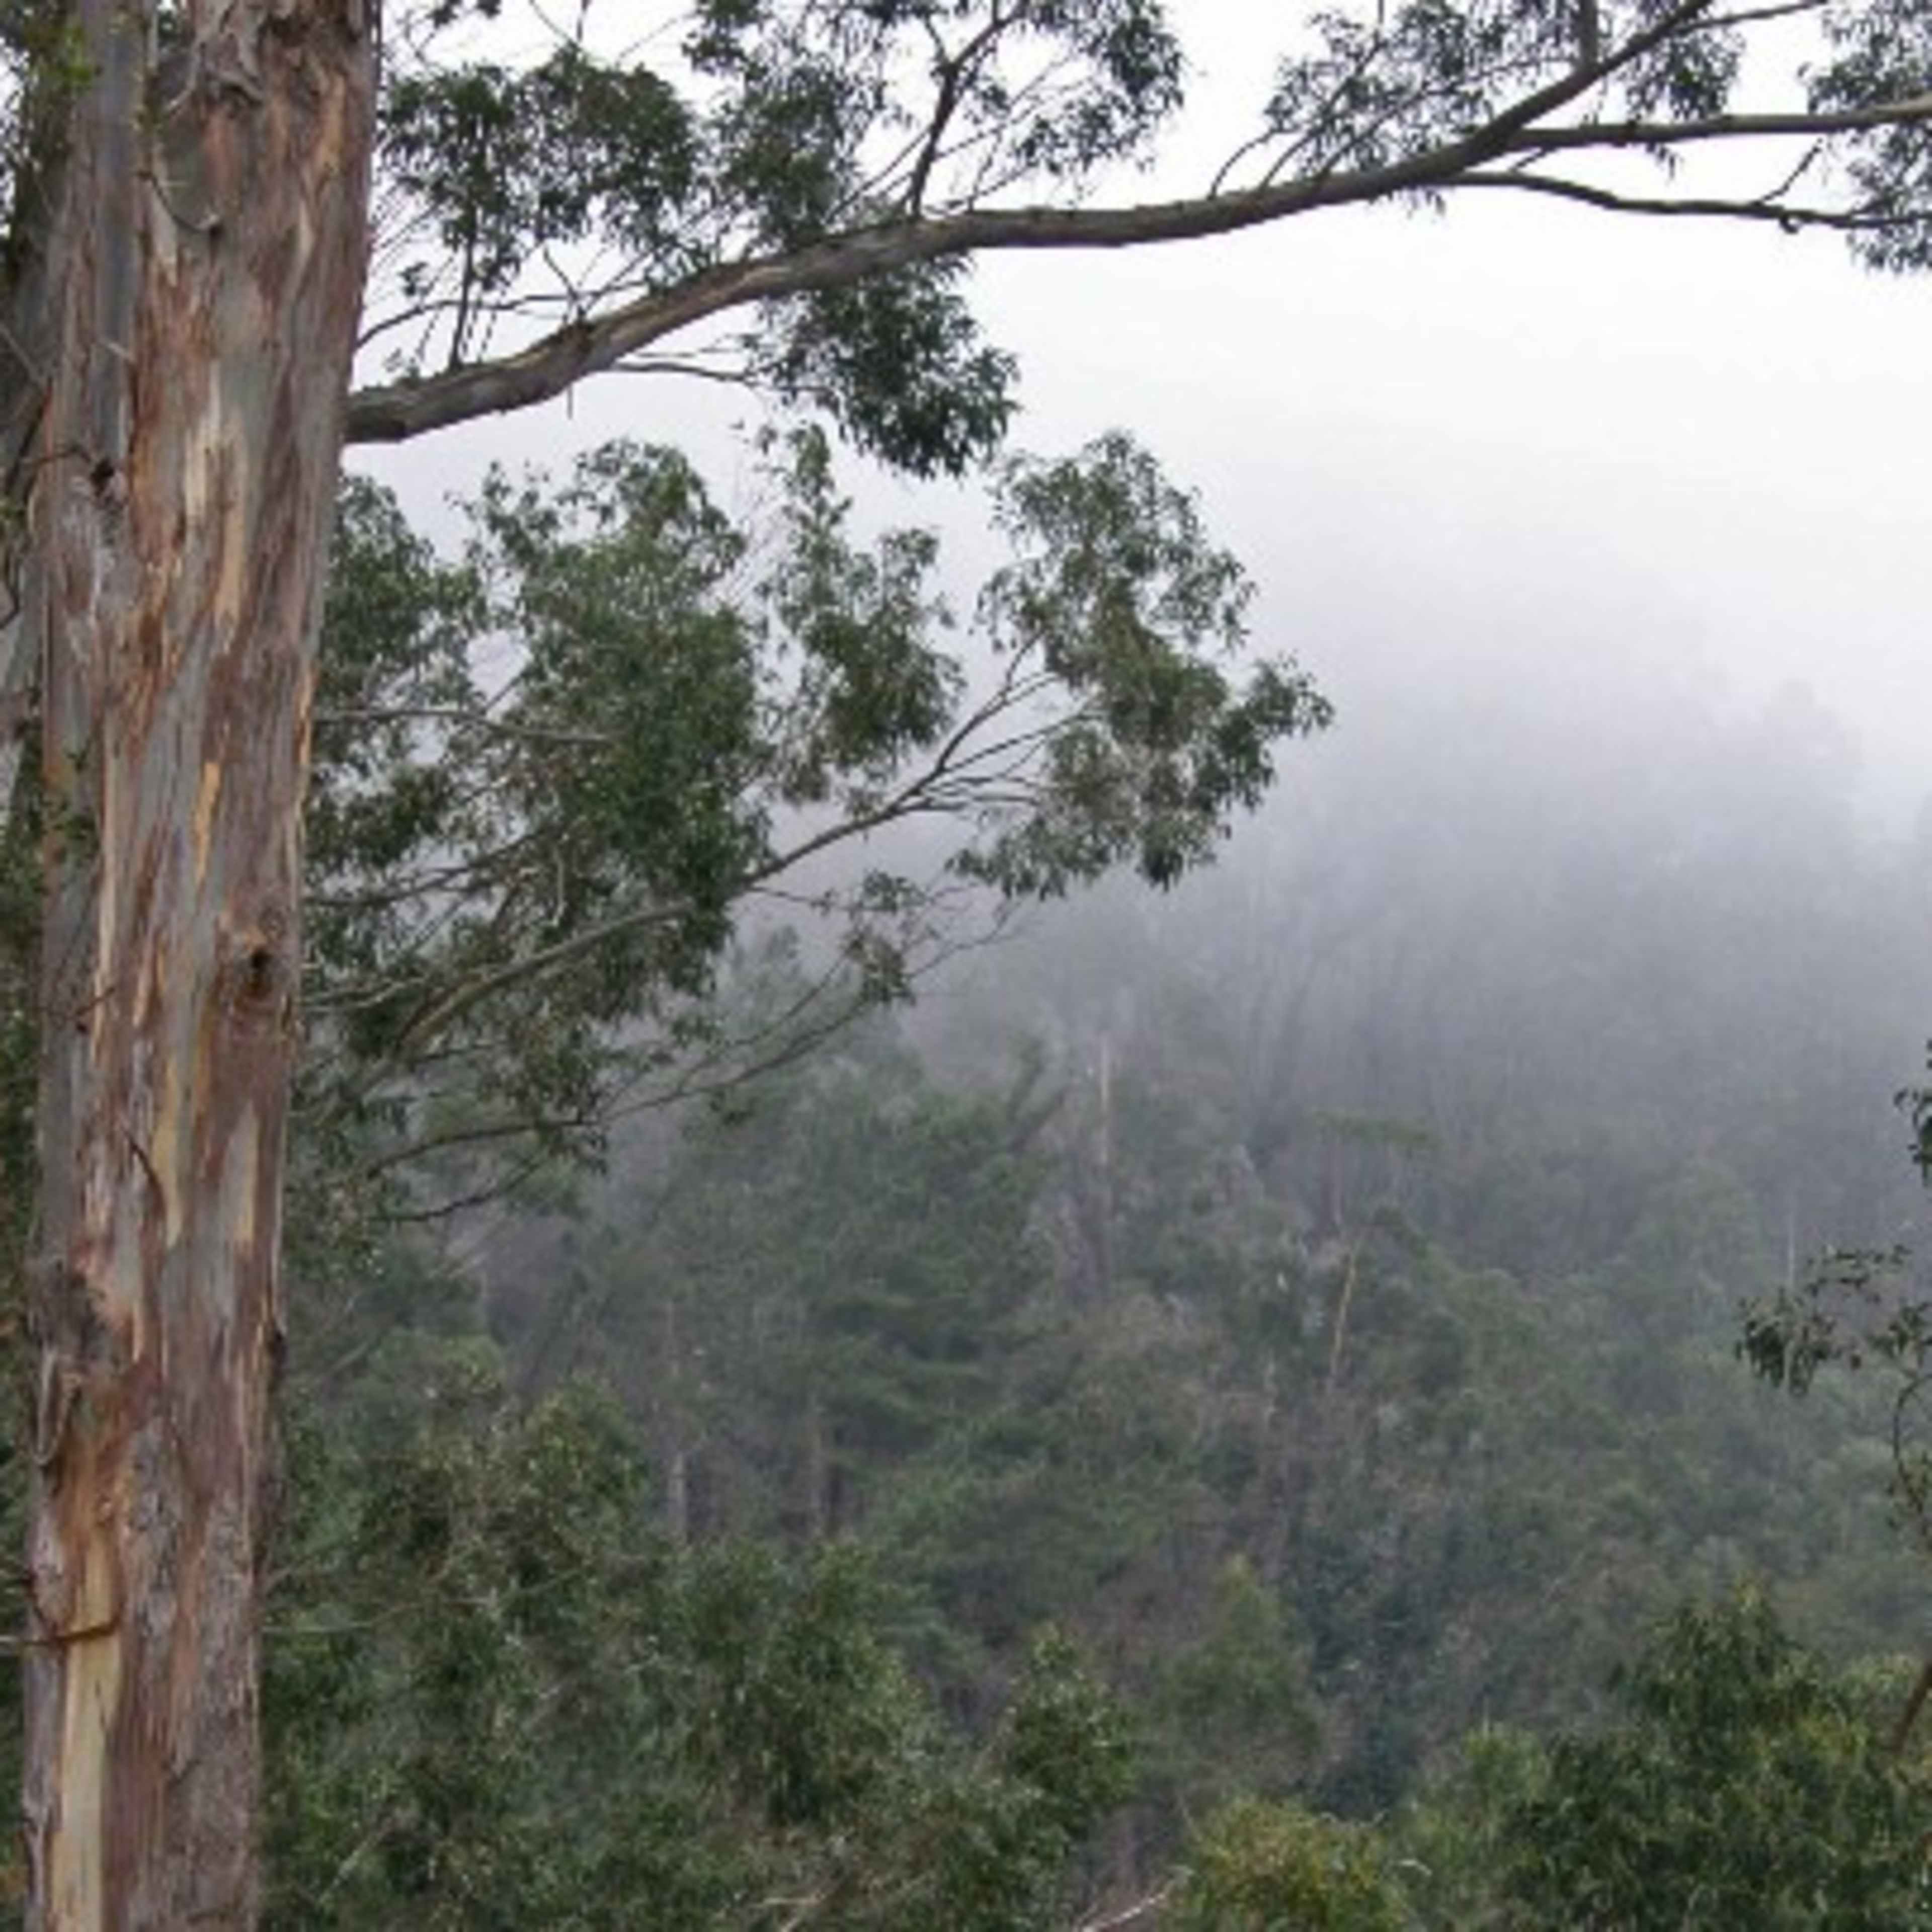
1227	1380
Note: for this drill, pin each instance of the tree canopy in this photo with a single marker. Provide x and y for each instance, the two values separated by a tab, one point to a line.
523	881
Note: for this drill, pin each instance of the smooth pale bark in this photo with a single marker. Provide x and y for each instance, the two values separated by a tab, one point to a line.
201	272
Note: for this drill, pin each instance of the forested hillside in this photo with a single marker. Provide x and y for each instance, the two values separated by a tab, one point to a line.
900	1316
1194	1418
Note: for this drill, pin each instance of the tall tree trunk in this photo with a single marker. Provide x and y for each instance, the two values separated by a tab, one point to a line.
201	271
818	1519
1103	1245
676	1455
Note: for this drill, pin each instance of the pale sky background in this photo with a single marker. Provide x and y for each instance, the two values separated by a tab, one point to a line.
1517	429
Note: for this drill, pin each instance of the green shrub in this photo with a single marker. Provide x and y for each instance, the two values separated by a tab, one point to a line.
1255	1866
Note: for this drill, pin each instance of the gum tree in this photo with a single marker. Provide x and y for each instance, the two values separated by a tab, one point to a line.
785	193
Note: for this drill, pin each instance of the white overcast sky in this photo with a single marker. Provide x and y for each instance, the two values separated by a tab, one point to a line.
1520	428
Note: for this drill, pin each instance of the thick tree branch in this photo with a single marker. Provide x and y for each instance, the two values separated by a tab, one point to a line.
398	411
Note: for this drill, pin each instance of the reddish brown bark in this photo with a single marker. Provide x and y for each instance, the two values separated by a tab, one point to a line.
202	272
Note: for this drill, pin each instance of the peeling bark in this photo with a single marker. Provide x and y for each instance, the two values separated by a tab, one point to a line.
203	267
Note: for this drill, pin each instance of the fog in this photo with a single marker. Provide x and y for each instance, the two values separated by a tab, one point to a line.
1379	1207
1509	432
1522	438
1318	1287
1559	908
1604	534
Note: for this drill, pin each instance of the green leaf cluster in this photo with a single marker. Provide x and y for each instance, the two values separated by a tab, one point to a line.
549	774
1746	1785
495	1699
1257	1866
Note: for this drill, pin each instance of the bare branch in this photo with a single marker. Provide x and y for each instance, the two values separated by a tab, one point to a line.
482	1197
1789	216
736	378
1614	134
1783	9
1137	1913
951	72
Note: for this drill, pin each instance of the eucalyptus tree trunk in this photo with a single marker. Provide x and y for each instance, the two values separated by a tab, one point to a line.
194	276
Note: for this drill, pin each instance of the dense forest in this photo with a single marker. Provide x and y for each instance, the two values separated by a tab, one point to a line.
1005	1360
1225	1411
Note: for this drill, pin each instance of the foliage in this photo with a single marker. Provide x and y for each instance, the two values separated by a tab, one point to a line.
1373	94
1917	1103
819	1287
1876	48
1064	1348
1850	1311
1233	1707
1257	1866
612	187
494	1699
508	163
523	877
1111	566
1744	1787
1110	1396
1454	1836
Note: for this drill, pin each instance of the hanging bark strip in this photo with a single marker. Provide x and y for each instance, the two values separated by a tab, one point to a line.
202	263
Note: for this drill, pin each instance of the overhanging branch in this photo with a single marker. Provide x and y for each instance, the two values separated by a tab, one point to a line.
398	411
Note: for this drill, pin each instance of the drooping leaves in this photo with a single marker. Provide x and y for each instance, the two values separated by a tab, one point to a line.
550	775
1116	598
1883	52
897	362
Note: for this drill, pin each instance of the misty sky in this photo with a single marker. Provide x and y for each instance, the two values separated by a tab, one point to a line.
1518	430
